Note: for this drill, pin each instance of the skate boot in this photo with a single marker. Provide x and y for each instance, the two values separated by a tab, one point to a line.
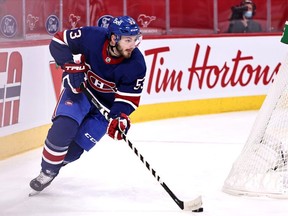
41	181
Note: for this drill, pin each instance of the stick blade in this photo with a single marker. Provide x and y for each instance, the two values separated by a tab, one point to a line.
193	204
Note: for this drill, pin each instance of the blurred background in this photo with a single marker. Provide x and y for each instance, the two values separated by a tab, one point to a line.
38	19
217	71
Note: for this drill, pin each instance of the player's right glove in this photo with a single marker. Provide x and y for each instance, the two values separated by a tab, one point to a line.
74	75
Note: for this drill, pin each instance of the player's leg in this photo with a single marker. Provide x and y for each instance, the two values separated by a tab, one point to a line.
70	112
92	129
59	137
73	154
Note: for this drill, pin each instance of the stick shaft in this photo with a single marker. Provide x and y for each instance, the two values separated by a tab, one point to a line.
105	113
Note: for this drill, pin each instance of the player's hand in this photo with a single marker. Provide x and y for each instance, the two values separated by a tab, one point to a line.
118	126
74	75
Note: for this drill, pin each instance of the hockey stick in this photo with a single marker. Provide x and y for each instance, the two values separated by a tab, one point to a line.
193	205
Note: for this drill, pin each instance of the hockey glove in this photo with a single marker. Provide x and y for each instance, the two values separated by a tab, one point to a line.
73	76
118	126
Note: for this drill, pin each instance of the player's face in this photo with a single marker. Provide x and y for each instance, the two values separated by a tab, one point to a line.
126	45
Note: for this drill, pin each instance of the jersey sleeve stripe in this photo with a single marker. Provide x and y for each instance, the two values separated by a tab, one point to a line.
65	37
59	41
125	94
126	101
60	38
132	99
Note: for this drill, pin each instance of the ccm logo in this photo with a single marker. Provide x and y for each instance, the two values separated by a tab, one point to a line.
91	138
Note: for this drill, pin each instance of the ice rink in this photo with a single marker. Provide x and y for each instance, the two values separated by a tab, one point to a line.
192	155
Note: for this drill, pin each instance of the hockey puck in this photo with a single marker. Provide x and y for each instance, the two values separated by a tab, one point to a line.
198	210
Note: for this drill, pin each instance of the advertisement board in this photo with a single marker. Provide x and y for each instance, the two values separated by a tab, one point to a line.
185	76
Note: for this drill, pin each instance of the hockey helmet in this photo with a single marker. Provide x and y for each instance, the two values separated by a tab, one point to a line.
123	26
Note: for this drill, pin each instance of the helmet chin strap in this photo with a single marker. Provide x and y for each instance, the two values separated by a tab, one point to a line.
112	48
116	53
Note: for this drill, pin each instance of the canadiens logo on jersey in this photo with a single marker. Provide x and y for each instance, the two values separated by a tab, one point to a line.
100	84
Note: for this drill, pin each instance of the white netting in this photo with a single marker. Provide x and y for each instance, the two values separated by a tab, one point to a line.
261	168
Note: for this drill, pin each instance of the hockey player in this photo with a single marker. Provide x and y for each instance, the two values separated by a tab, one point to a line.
113	69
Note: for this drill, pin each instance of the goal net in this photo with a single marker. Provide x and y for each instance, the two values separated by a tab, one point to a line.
261	168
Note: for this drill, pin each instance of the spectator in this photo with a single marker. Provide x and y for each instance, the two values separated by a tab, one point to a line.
241	20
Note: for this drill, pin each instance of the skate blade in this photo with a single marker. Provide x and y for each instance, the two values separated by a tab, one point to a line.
33	193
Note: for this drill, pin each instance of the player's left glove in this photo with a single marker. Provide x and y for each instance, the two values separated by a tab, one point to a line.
118	126
74	75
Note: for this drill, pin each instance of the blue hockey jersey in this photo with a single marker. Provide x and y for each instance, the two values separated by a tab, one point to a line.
116	82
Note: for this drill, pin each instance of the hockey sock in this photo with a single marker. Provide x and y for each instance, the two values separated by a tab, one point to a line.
59	137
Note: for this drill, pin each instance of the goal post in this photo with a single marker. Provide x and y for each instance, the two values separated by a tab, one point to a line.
261	169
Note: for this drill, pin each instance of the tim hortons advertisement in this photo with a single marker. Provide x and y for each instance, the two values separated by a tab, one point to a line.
200	68
177	70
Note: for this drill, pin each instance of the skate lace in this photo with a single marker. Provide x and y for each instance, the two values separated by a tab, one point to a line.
43	179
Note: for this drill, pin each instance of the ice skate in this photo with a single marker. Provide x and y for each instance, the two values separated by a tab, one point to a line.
40	182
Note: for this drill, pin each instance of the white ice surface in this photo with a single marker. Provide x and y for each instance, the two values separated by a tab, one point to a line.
192	155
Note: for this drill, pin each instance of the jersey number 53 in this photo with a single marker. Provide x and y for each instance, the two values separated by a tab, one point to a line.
139	84
75	34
